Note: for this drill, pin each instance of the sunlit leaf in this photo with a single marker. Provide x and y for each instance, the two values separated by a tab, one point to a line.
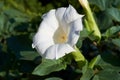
48	66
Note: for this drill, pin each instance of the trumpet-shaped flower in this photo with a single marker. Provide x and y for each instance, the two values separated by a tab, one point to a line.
58	32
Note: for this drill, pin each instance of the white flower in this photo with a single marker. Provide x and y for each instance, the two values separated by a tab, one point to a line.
58	33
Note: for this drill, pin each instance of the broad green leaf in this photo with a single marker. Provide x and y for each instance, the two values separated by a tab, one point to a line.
116	42
3	21
114	13
110	67
94	61
83	34
79	43
48	66
102	4
22	19
28	55
108	74
116	3
108	58
8	24
54	78
17	15
85	67
104	20
11	12
111	31
87	75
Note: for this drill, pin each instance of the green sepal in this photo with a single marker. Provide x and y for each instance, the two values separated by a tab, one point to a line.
78	57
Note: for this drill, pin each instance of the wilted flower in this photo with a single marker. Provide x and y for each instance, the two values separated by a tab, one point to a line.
58	33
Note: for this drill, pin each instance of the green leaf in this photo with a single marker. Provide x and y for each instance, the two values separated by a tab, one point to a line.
111	31
28	55
116	3
17	15
87	75
87	72
48	66
54	78
11	12
84	33
104	20
3	21
2	73
108	74
105	66
114	13
116	42
109	67
102	4
94	61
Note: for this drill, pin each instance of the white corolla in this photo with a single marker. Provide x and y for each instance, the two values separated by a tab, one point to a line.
58	32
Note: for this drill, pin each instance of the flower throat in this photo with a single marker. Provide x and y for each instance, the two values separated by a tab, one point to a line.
60	36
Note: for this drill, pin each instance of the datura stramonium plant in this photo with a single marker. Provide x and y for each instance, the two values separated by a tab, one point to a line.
58	32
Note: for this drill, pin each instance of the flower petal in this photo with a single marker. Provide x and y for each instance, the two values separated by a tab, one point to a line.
50	19
65	16
41	42
71	14
76	27
57	51
59	15
44	37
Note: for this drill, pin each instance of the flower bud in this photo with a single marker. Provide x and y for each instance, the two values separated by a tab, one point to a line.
89	20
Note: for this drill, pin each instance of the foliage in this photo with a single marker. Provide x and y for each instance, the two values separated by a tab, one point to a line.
19	21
